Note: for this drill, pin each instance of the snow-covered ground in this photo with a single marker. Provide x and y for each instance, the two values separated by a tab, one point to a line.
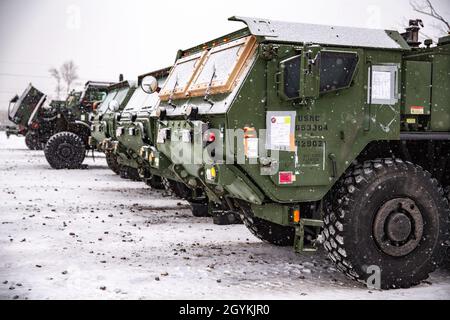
87	234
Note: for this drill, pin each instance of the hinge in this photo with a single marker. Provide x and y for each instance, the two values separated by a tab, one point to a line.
269	51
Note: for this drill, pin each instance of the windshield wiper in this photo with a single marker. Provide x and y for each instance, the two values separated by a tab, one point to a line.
172	94
208	89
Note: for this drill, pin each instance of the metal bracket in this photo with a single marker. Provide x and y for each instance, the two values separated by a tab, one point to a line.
299	240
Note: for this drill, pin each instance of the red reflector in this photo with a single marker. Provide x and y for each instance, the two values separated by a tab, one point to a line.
35	125
417	110
286	177
210	137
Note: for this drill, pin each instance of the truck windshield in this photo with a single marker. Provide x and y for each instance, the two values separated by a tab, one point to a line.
222	62
121	95
137	100
105	104
15	108
223	65
181	75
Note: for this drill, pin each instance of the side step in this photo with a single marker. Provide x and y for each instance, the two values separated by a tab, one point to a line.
299	240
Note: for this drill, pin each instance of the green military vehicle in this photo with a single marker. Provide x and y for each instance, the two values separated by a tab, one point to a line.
320	134
34	117
103	129
135	143
114	144
66	149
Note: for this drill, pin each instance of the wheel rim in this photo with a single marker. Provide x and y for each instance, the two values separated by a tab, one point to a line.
398	227
65	150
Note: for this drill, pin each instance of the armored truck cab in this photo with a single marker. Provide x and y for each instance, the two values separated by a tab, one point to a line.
103	125
22	109
66	149
124	144
34	117
136	139
303	127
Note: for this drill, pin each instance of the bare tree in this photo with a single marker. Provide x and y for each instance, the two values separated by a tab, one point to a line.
55	74
69	73
426	7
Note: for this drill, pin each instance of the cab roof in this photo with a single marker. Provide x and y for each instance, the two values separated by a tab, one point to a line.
99	84
123	84
292	32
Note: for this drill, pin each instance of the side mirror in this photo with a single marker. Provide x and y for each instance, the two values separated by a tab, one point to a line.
149	84
114	106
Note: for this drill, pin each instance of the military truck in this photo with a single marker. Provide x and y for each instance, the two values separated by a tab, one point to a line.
103	120
320	135
107	141
135	140
34	117
66	149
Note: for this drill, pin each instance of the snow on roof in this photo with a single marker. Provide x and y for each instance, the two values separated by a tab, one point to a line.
322	34
99	83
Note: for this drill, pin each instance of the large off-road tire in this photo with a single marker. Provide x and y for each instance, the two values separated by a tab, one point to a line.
111	160
32	141
265	230
181	190
200	210
65	150
129	173
447	193
386	217
155	182
177	189
447	257
167	186
226	218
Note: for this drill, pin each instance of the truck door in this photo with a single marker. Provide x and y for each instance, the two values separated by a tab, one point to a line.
416	97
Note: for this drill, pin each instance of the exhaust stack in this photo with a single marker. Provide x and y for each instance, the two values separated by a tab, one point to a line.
412	33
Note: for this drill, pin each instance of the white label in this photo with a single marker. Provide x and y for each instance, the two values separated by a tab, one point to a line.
280	130
280	133
252	147
381	85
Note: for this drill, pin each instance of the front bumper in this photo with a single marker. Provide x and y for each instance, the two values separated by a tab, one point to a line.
13	131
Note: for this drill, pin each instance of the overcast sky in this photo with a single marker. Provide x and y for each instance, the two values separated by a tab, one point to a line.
106	38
